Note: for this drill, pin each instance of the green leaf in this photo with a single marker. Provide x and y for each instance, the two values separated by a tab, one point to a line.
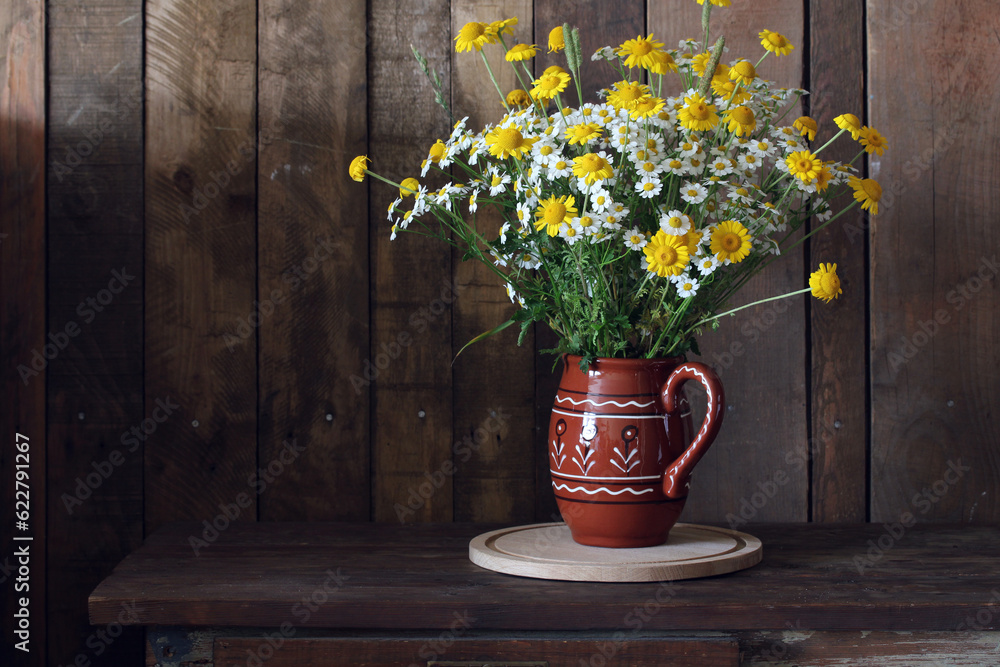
484	336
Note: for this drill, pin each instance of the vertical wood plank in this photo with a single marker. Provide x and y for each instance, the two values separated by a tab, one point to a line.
95	251
313	260
935	311
759	354
201	152
600	24
838	365
492	379
412	290
22	304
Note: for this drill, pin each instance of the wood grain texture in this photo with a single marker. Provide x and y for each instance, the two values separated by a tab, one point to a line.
813	576
312	264
838	445
868	649
201	150
935	370
760	353
493	381
609	23
22	308
95	250
409	368
645	652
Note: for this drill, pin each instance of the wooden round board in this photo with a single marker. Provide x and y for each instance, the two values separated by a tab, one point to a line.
546	551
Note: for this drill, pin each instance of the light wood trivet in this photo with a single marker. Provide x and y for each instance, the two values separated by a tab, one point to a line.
547	551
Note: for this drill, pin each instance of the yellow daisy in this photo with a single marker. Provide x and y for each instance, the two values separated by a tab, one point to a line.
664	62
556	41
626	94
647	107
873	141
583	133
804	165
358	167
520	52
743	72
730	240
473	35
553	212
697	114
849	122
868	192
666	255
824	283
408	186
639	51
502	27
592	168
518	98
548	86
775	43
741	121
504	142
806	126
717	3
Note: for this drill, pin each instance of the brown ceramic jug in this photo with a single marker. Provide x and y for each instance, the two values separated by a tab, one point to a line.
621	449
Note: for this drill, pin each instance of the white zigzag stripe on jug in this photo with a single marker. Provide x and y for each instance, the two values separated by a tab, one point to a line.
590	492
560	399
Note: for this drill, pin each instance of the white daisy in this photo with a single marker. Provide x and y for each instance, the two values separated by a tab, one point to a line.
748	162
675	223
686	285
600	199
707	265
689	148
498	182
588	224
693	193
648	187
523	213
635	239
473	204
571	232
675	166
762	148
560	168
721	166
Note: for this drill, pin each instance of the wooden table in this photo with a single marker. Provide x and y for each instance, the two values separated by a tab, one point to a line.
375	594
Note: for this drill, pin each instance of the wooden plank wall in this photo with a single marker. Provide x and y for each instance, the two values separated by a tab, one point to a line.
251	345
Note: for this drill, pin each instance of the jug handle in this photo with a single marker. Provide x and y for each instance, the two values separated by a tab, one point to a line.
675	479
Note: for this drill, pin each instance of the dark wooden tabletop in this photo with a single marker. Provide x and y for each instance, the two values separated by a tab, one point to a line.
391	577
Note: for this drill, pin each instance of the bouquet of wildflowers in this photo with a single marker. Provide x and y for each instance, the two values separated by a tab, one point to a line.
629	225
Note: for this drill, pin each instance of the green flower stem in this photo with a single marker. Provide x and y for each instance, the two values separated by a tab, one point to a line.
736	310
832	139
766	54
503	98
821	227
